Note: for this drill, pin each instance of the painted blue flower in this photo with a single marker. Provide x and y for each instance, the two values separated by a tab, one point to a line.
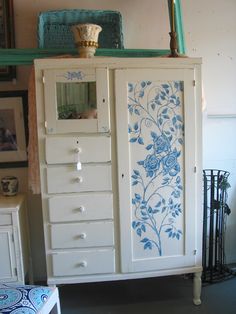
161	144
170	163
130	87
151	165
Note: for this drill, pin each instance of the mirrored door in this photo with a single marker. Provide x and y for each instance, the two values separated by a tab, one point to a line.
76	101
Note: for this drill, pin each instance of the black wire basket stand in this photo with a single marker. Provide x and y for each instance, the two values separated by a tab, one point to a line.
215	212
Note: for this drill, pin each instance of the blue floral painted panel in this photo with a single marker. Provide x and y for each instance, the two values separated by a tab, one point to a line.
156	147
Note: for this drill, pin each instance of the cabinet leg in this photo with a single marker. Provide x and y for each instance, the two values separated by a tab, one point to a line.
197	287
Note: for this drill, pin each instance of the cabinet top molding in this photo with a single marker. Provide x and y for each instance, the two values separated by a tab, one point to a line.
117	63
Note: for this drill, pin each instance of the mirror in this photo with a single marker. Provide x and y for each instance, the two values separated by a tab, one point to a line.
76	100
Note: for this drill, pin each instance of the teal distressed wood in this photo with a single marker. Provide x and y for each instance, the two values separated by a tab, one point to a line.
54	27
179	27
27	56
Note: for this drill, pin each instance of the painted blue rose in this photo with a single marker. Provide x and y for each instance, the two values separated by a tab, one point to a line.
170	163
151	165
161	144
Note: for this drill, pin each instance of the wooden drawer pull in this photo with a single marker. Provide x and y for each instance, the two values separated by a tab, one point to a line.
81	209
79	180
78	150
82	264
82	236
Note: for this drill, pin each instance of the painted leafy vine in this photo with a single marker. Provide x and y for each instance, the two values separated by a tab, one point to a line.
156	124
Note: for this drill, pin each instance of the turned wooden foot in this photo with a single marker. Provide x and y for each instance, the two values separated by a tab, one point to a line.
197	287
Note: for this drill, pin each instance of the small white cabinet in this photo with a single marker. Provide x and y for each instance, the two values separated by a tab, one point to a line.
121	190
14	243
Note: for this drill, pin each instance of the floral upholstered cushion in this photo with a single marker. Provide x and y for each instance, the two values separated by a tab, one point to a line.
17	299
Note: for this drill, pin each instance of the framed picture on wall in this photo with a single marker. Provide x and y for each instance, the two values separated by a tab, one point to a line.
7	73
13	129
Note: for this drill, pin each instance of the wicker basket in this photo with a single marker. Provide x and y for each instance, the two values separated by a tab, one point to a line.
54	27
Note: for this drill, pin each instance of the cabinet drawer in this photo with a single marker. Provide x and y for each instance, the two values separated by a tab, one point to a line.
62	150
66	179
83	262
90	206
5	220
80	235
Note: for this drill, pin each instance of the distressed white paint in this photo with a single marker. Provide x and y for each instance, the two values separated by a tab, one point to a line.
146	26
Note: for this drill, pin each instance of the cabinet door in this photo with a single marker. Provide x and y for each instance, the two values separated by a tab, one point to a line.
156	138
76	100
7	257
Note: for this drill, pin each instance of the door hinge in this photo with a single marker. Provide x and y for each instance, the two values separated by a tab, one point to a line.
195	252
12	237
194	83
15	271
43	79
195	169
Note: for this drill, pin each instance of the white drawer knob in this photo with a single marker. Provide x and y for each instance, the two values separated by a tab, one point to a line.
83	264
78	150
81	209
79	179
82	236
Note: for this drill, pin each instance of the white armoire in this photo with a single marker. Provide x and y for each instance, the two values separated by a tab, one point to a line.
120	166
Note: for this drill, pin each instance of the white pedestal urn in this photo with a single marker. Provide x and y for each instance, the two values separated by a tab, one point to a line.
86	39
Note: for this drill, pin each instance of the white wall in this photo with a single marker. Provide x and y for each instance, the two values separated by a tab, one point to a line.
209	30
210	33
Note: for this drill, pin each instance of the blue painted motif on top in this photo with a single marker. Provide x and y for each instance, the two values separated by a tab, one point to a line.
74	75
156	123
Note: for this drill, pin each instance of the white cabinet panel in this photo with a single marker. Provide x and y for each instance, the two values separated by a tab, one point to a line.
66	179
7	257
81	207
62	150
83	262
79	235
5	219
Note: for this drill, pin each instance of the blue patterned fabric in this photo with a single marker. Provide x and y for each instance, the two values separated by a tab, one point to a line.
17	299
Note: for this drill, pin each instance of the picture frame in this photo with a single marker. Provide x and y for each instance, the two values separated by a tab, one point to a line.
13	129
7	73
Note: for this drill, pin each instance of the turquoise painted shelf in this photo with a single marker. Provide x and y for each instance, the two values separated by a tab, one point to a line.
27	56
